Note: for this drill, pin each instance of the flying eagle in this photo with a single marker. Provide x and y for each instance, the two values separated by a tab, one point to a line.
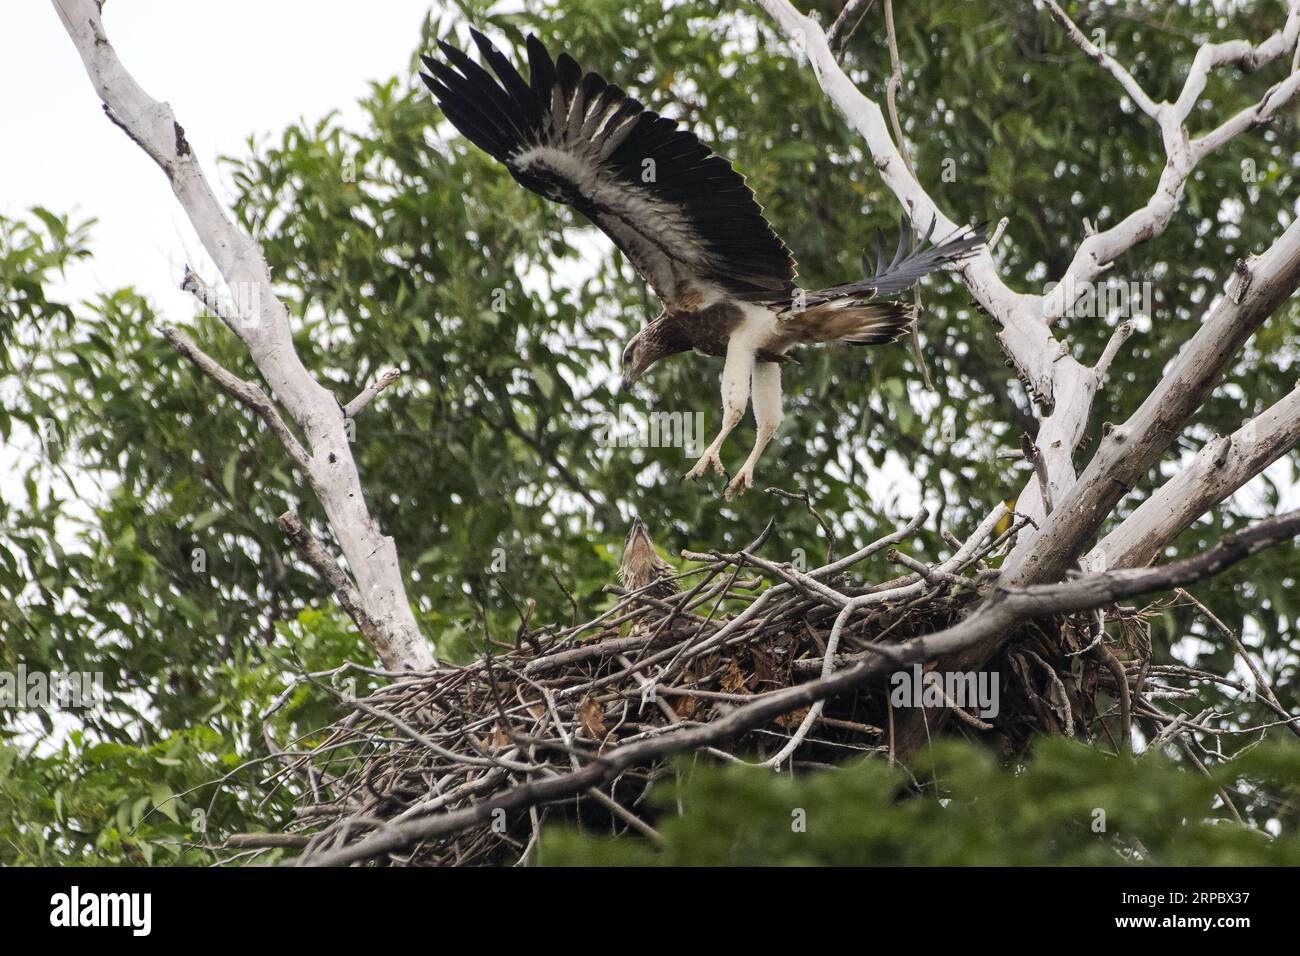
685	219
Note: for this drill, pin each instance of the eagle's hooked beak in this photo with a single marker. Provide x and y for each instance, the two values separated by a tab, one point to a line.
633	366
626	382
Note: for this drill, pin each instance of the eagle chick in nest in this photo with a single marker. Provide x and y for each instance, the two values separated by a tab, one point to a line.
643	566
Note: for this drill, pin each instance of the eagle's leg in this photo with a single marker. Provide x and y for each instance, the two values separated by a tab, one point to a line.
767	419
736	373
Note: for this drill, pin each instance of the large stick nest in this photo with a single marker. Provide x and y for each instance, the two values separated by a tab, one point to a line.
558	699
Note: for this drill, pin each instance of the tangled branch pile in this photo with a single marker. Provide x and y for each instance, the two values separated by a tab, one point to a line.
461	765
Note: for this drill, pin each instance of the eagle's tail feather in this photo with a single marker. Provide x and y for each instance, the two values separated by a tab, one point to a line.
871	323
911	262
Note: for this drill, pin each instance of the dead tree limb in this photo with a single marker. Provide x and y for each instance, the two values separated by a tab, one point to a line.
264	328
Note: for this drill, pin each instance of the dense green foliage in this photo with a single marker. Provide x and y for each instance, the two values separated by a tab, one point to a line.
392	242
1072	805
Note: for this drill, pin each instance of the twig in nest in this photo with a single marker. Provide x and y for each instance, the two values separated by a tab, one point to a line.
573	602
807	501
1292	723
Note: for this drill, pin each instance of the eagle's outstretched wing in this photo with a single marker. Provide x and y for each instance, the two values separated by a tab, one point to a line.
680	213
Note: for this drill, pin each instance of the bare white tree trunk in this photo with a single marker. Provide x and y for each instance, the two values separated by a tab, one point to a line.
328	463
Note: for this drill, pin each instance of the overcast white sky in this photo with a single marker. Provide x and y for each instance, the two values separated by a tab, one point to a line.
229	68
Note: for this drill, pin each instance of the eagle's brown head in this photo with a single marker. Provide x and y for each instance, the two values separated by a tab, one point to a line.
637	357
643	566
657	340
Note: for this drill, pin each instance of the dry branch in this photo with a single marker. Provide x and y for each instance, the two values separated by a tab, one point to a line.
1221	467
1182	152
1124	456
265	330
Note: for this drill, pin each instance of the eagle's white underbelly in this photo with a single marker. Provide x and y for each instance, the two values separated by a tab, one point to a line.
759	328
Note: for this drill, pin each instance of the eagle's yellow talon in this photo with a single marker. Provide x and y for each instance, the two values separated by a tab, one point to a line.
739	485
709	459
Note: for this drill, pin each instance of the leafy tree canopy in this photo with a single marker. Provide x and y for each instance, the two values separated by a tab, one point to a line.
146	547
1072	805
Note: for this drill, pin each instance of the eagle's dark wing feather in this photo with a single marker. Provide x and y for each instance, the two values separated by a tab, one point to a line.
680	214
